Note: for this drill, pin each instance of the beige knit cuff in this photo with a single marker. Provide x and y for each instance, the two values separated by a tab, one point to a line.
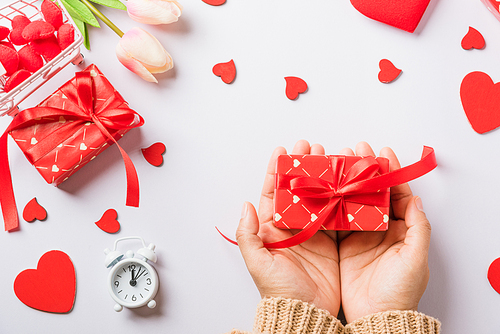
280	316
395	322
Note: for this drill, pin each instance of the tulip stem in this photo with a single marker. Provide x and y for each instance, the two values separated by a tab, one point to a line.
102	17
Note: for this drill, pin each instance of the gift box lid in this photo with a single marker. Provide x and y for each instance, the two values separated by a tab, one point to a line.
31	9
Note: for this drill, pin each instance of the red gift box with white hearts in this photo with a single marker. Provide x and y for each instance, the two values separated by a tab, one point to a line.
307	184
61	155
67	130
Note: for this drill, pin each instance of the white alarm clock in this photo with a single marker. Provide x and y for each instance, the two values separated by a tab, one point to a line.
132	282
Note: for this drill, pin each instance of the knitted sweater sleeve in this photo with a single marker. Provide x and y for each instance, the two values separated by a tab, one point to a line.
288	316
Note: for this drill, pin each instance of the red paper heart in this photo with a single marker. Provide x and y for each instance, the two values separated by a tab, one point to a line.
226	71
108	222
214	2
404	15
33	211
494	275
294	87
481	101
388	72
51	287
473	40
153	154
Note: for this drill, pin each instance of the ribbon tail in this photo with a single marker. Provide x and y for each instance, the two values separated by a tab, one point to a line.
7	199
341	221
398	176
132	178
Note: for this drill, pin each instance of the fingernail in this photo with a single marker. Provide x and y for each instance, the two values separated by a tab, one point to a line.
244	210
418	204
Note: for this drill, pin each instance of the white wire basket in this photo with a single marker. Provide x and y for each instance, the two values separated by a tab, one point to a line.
31	9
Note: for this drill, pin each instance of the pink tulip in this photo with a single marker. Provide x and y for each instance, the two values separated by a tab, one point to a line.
154	11
140	52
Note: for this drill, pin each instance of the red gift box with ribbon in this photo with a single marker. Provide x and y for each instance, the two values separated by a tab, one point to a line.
315	192
67	130
358	212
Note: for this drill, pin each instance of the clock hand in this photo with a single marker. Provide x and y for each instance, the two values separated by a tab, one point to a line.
139	274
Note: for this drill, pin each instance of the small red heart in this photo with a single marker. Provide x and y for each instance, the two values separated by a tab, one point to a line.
404	15
214	2
33	211
51	287
226	71
294	87
494	275
473	40
108	222
388	72
481	101
153	154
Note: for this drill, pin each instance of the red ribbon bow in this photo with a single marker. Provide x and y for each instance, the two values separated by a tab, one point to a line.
361	184
106	117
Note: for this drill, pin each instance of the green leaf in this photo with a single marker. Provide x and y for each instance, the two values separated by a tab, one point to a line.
83	30
111	3
81	12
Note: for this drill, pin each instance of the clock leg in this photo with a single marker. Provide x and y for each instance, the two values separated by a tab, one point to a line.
151	304
118	307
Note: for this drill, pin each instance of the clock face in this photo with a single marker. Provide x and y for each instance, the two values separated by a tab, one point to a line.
133	283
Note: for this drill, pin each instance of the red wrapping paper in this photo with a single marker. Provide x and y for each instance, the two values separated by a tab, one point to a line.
85	143
67	130
293	211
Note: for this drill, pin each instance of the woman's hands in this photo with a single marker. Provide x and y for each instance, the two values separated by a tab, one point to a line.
379	271
309	271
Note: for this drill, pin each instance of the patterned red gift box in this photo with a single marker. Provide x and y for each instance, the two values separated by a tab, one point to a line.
86	141
67	130
293	210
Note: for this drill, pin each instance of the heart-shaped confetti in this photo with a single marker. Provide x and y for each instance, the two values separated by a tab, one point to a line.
51	287
388	72
108	222
214	2
294	87
226	71
404	15
481	101
494	275
33	211
154	153
473	40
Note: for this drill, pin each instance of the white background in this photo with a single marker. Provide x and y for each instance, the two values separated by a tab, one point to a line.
219	138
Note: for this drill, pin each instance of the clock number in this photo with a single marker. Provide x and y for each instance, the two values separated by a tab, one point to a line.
117	283
134	298
148	281
131	267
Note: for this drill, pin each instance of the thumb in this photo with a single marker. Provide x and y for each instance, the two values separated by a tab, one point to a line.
249	242
418	235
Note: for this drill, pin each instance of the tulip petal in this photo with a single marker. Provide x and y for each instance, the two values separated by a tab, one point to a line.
168	65
133	65
143	47
153	11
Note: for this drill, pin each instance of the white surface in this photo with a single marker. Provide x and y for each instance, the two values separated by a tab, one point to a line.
219	138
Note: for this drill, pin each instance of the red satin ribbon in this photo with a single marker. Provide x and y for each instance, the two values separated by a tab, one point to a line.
360	185
105	118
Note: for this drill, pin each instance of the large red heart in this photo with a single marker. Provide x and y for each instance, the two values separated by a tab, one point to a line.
481	101
226	71
401	14
388	72
473	40
214	2
33	211
153	154
108	222
51	287
494	275
294	87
